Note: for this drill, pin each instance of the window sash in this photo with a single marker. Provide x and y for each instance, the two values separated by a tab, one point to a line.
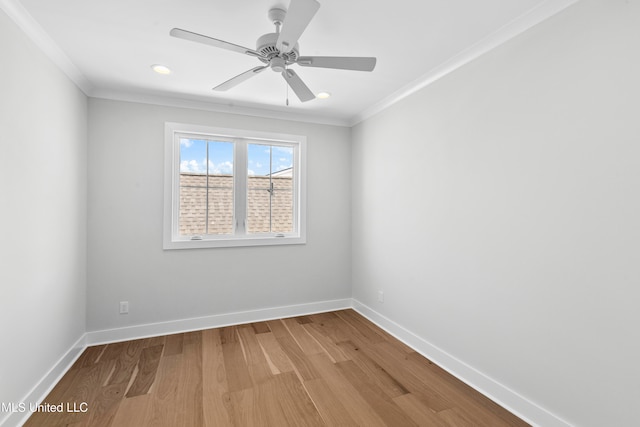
209	177
294	217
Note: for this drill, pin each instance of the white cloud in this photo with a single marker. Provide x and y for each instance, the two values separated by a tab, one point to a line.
251	172
186	142
221	168
191	166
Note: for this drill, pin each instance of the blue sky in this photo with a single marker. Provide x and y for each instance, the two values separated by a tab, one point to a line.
193	157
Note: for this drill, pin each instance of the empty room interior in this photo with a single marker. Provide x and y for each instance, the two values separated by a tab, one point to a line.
413	213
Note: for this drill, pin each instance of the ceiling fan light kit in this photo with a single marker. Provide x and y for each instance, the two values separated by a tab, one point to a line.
279	50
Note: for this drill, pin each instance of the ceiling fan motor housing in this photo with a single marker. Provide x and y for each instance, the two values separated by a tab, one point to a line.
266	45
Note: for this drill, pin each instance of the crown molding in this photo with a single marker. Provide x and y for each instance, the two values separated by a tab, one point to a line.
26	22
22	18
235	108
517	26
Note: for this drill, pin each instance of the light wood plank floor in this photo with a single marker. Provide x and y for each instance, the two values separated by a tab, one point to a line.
325	369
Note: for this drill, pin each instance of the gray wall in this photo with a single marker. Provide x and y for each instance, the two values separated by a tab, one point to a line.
126	260
498	210
43	119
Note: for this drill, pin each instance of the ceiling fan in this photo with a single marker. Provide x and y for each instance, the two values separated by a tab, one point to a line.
280	49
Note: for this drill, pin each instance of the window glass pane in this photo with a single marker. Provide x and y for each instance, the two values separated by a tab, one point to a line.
258	216
193	187
270	189
206	187
193	209
221	158
282	195
282	160
220	185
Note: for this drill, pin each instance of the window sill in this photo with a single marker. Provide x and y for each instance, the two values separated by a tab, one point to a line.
234	242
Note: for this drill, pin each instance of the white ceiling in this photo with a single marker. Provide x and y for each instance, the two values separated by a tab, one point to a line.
112	44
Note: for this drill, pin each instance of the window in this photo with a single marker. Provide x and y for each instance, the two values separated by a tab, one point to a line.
229	187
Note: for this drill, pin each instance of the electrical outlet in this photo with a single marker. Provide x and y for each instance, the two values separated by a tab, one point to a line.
124	307
380	296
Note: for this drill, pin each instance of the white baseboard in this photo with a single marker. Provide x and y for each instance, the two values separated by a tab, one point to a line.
215	321
502	395
46	384
497	392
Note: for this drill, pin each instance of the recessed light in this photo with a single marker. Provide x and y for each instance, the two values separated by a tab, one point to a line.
323	95
161	69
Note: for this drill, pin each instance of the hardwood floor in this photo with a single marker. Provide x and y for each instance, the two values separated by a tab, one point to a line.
335	369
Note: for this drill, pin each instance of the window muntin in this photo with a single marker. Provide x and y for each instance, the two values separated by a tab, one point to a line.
217	182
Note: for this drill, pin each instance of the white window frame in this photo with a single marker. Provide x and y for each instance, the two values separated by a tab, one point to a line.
241	138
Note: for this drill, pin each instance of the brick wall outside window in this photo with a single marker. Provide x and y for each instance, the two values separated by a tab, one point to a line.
193	194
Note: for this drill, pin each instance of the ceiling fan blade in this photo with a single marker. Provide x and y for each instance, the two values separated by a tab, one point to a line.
339	62
298	17
199	38
295	82
240	78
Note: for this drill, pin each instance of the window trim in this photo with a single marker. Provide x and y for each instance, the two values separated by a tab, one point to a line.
171	239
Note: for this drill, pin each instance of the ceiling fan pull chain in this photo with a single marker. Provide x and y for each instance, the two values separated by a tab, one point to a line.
287	85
